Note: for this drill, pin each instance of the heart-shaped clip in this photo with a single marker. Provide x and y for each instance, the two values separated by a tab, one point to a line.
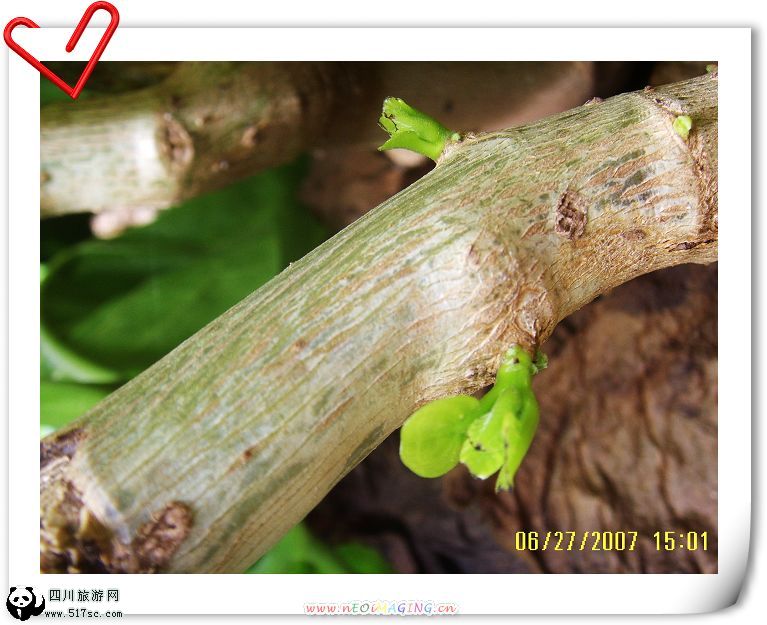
72	92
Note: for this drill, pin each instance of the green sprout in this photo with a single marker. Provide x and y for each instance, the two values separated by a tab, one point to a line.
413	130
711	68
682	126
489	435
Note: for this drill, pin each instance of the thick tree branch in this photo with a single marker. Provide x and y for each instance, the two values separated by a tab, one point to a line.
116	76
203	461
209	124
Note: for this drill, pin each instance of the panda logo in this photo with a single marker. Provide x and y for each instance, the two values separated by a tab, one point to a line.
21	603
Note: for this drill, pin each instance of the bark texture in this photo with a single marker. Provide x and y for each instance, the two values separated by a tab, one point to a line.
203	461
208	124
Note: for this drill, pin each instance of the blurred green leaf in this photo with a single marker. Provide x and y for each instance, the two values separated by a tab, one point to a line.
60	364
360	558
300	552
122	304
62	402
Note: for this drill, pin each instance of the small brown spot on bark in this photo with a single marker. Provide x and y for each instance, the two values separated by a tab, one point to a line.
667	103
539	227
300	344
333	415
570	219
634	235
175	143
245	457
45	176
688	245
158	539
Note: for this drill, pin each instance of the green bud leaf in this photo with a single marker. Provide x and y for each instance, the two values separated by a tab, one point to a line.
431	439
413	130
482	453
516	369
519	430
682	126
488	436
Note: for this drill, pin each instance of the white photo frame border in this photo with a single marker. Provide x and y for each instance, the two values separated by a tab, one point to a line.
480	593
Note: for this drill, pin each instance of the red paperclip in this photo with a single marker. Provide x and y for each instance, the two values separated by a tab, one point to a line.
72	92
